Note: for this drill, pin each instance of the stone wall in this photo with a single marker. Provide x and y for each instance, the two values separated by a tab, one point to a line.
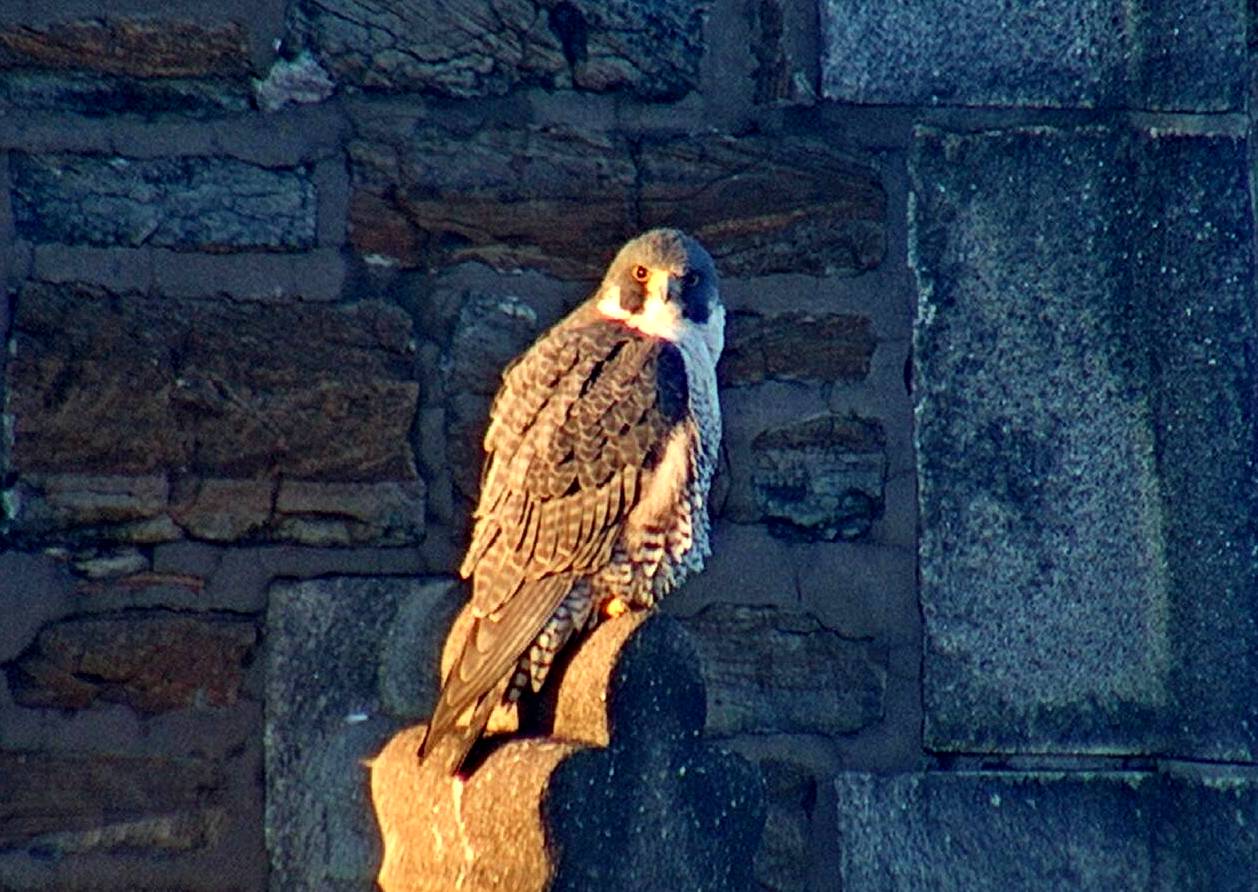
986	567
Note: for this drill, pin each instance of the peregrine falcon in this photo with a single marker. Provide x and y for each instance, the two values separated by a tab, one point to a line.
601	446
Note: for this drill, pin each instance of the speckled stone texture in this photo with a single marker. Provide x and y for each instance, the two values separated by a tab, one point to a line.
974	832
1154	54
349	662
1085	355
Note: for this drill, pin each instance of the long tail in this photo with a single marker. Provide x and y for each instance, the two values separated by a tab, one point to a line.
447	744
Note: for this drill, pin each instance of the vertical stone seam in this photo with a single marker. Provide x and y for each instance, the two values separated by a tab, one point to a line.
8	286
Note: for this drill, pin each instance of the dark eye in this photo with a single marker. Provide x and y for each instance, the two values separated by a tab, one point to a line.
641	273
690	280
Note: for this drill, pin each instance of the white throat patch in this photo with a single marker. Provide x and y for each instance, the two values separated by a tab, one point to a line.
657	318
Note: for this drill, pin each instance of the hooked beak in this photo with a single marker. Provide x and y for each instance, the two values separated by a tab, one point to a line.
662	286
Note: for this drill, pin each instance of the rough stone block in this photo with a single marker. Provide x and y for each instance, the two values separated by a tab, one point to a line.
995	831
626	795
491	331
313	513
111	394
42	503
222	510
429	197
349	660
766	204
139	47
554	199
784	45
152	662
1150	54
806	347
60	804
771	670
187	203
299	81
822	478
782	861
97	95
1086	335
487	47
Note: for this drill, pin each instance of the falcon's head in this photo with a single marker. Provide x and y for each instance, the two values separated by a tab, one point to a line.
663	283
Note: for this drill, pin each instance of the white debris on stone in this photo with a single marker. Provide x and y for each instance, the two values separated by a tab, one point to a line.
301	81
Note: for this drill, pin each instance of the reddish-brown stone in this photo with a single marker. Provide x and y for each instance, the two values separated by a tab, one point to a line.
766	205
131	385
552	199
796	347
133	47
90	802
563	201
153	662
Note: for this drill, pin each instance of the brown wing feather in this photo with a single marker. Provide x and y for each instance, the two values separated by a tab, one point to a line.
571	428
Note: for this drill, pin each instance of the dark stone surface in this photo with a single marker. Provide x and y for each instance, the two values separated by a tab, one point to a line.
151	661
98	95
784	45
1085	352
804	347
34	588
777	670
472	48
348	661
1070	831
821	478
429	197
113	393
491	331
658	808
188	203
1152	54
136	47
68	803
783	859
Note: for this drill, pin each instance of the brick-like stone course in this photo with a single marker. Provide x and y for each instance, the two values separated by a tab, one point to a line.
430	196
488	47
136	47
151	662
186	203
777	670
110	393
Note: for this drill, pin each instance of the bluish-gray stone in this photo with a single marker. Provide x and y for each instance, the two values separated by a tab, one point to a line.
976	831
189	203
488	47
1086	352
1155	54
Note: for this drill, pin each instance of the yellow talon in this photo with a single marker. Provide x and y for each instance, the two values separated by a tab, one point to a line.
614	608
